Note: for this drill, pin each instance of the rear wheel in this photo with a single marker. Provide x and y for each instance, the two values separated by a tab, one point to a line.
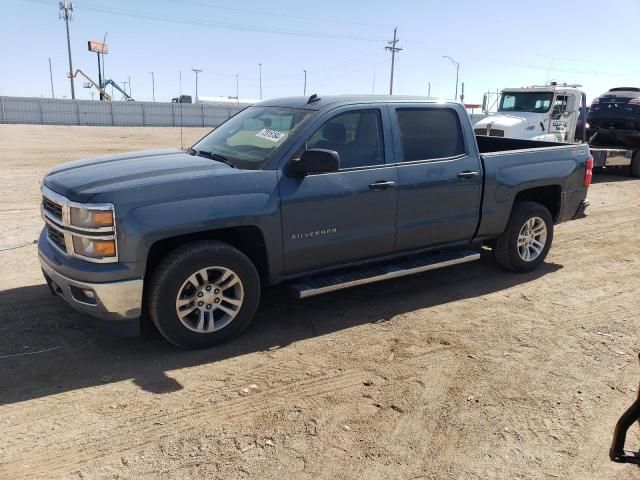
202	294
635	165
524	244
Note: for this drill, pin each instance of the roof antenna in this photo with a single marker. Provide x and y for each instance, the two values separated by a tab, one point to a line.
313	98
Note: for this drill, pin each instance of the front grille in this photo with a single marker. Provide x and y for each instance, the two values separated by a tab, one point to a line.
57	237
480	131
52	207
496	133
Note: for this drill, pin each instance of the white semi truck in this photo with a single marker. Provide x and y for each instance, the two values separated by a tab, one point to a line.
558	113
547	113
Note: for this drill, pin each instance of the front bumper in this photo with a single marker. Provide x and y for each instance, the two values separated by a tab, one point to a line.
118	302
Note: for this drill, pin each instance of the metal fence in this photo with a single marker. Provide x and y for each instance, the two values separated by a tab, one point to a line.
49	111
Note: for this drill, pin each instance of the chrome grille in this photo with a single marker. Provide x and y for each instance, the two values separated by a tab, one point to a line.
57	237
496	133
52	207
480	131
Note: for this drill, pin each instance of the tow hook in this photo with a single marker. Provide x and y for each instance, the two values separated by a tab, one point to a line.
617	452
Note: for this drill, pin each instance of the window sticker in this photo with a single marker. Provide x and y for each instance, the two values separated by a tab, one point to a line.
271	135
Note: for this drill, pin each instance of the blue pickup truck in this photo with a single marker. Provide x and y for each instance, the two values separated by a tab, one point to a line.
322	193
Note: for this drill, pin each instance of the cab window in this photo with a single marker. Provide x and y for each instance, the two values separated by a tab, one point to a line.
429	133
355	135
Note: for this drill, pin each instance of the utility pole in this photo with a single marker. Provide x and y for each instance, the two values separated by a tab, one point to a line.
462	93
66	14
428	89
457	64
51	78
196	71
124	84
129	85
393	49
373	85
99	79
237	91
260	77
153	86
304	91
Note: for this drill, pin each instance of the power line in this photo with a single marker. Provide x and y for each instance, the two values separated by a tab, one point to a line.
276	14
229	26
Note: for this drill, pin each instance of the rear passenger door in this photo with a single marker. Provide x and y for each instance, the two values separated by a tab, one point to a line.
439	177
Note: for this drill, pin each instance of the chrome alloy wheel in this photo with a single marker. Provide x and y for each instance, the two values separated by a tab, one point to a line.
532	239
209	299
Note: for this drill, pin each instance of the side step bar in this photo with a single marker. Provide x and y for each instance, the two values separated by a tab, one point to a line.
378	272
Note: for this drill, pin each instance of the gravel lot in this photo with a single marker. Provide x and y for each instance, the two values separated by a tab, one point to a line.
464	373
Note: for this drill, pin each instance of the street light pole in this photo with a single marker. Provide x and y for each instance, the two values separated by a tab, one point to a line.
104	41
153	86
304	91
51	78
196	71
237	91
457	64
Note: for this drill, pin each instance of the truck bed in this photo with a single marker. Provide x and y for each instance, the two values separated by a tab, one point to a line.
487	145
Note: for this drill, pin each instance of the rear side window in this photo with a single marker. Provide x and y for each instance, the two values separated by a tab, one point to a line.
429	133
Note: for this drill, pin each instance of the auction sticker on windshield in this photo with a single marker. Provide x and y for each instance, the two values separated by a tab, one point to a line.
272	135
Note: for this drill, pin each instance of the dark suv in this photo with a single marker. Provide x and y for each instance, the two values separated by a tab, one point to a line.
614	118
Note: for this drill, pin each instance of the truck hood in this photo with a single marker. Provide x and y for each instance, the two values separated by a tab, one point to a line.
510	121
82	180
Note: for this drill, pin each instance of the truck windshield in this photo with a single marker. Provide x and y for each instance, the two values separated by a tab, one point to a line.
538	102
248	139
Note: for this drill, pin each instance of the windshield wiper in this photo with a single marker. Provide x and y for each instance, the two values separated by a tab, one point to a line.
211	155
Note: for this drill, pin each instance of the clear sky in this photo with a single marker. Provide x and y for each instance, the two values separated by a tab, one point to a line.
500	43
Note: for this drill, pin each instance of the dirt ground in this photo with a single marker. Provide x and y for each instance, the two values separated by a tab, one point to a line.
464	373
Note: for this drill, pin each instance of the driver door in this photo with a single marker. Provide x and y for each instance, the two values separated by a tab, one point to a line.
330	219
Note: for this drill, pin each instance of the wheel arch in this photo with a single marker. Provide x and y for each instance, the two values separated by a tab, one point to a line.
249	239
550	196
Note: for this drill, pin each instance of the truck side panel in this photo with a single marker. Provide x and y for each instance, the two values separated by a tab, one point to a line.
510	173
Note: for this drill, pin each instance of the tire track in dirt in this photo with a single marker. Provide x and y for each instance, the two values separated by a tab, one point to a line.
45	457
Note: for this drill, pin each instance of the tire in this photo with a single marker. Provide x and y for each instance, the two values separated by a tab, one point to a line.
635	165
185	281
527	219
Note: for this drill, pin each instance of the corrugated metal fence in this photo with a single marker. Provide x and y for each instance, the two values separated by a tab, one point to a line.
49	111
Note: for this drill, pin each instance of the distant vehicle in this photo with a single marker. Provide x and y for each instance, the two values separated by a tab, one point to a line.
547	113
556	113
614	128
182	99
322	193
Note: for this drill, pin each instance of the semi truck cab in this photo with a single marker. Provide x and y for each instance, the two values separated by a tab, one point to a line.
546	113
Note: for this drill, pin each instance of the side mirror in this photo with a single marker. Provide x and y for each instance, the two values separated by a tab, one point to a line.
315	160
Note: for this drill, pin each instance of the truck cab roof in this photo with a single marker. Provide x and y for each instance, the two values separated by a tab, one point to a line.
315	102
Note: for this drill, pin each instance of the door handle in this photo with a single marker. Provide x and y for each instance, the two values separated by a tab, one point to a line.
468	174
382	185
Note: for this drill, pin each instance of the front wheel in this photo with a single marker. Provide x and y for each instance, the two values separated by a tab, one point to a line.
202	294
524	244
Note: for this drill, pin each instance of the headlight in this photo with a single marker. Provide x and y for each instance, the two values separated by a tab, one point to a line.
88	247
84	217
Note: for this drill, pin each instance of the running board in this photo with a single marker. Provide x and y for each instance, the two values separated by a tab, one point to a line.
377	272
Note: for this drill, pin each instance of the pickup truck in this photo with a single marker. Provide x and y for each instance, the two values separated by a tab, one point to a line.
322	193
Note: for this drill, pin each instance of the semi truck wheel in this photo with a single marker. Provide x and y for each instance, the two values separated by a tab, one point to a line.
202	294
524	244
635	165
